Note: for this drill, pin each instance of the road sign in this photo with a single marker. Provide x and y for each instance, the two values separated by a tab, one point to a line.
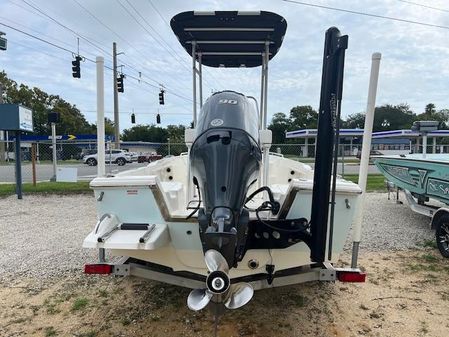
3	43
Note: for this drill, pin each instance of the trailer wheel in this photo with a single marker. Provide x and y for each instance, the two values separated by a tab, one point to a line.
442	234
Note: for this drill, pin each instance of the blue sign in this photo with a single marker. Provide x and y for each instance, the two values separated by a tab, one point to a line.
74	138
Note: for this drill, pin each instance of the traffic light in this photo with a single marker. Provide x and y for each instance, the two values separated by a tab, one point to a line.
158	119
120	87
53	117
161	97
133	118
76	69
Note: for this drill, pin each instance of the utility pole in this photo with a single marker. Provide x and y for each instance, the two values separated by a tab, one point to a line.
3	145
114	81
2	133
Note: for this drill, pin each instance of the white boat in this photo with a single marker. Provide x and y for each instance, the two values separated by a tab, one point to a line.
228	217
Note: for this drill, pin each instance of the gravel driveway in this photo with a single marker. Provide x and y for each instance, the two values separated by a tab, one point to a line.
41	236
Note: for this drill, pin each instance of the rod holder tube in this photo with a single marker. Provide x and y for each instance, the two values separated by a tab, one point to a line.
194	81
366	149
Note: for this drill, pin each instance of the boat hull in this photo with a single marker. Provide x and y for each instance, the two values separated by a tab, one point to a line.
175	242
427	177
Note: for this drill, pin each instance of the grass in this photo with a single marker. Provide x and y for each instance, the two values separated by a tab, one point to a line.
50	331
80	304
428	244
88	334
47	187
375	182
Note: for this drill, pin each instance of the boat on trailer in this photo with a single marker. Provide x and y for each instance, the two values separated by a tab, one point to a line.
228	217
424	179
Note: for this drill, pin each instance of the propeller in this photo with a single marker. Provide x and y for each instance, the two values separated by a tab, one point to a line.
218	286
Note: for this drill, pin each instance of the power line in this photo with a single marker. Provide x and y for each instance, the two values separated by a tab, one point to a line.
42	13
152	36
166	22
116	34
42	40
89	59
66	27
159	13
40	33
367	14
149	33
425	6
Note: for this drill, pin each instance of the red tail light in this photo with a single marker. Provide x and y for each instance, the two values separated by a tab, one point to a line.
351	276
98	269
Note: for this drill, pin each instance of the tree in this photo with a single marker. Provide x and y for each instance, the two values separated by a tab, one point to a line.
386	117
430	110
108	127
176	133
303	117
355	121
146	133
278	126
41	103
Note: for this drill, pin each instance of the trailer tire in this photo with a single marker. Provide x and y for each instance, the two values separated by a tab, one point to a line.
442	234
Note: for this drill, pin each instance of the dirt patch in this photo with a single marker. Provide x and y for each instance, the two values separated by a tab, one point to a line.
406	294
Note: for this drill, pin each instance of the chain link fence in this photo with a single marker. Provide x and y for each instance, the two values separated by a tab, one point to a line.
36	157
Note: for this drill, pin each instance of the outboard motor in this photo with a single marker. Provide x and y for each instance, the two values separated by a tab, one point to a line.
225	160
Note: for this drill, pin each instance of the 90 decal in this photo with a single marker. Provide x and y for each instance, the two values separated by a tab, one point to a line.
227	101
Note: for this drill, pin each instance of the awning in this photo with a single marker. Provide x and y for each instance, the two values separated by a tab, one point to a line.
230	38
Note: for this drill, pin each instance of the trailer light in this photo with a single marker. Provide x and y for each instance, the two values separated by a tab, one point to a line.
351	276
98	268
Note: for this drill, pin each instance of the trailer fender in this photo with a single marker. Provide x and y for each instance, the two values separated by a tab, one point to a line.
438	214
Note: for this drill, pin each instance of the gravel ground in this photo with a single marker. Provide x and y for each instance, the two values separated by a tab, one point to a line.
388	225
41	236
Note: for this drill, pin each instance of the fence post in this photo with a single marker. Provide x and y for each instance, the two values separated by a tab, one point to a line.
53	142
33	162
18	161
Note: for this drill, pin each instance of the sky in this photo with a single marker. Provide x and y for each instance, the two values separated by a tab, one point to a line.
414	67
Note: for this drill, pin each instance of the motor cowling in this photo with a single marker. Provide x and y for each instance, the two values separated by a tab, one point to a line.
225	160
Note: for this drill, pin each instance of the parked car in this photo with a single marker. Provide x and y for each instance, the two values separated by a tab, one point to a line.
148	157
134	156
119	157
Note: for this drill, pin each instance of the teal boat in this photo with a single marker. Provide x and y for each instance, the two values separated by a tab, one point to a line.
426	177
421	179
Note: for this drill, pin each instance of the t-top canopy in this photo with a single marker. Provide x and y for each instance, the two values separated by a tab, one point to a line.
230	38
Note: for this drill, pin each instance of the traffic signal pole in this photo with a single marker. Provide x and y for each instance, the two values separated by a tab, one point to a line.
116	109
